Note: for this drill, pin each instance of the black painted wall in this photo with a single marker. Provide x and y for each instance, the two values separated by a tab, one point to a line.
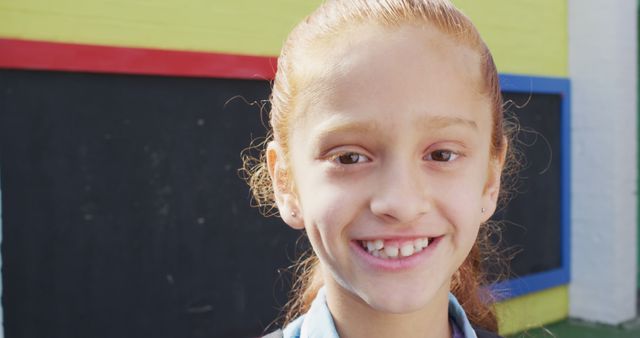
531	227
123	213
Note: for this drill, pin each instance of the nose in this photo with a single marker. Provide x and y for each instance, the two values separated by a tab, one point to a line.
400	194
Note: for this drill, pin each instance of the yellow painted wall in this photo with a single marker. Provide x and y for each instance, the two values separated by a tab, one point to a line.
255	27
526	36
533	310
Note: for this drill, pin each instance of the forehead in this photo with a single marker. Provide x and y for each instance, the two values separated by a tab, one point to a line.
409	68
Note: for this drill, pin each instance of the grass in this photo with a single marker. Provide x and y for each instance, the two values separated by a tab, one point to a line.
579	329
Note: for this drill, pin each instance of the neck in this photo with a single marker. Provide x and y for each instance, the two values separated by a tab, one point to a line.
354	318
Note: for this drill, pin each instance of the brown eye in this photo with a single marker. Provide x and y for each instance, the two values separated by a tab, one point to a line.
442	155
351	158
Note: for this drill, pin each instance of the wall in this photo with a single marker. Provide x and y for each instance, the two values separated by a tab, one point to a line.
525	36
603	49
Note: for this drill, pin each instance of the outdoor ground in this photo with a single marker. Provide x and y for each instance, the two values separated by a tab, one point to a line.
578	329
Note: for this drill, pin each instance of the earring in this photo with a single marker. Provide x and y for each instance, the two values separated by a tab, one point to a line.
483	210
293	214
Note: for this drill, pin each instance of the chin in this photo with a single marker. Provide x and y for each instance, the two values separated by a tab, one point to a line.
401	300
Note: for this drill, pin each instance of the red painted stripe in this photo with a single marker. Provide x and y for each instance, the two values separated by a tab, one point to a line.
41	55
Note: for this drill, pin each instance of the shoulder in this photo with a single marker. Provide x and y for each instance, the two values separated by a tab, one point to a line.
481	333
275	334
292	330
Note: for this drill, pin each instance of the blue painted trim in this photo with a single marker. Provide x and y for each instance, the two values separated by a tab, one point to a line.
540	281
534	84
530	283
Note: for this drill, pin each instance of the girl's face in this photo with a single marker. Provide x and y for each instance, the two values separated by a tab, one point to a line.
390	148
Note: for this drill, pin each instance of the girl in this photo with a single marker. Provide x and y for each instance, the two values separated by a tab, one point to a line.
387	148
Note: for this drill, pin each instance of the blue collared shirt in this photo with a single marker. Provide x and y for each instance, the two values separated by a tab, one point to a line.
318	323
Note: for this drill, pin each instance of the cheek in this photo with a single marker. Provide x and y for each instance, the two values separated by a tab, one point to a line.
328	206
328	212
461	200
463	192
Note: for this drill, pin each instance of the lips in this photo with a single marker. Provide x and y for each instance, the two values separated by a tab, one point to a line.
393	248
393	253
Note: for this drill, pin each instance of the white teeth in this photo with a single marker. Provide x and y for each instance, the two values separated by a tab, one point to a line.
370	246
378	244
391	251
406	250
377	248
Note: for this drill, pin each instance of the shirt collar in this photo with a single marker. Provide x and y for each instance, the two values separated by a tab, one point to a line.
456	313
318	323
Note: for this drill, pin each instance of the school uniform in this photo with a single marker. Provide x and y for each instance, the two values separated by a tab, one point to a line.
318	323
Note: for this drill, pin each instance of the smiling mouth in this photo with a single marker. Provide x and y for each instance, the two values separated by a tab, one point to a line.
395	249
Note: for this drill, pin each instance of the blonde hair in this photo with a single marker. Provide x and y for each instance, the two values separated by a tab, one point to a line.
331	18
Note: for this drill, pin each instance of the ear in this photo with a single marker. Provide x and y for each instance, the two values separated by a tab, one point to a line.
286	199
492	187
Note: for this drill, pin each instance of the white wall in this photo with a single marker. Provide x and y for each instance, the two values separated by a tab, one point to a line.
602	67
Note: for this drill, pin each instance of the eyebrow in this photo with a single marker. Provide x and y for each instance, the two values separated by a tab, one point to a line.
439	121
350	126
430	123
